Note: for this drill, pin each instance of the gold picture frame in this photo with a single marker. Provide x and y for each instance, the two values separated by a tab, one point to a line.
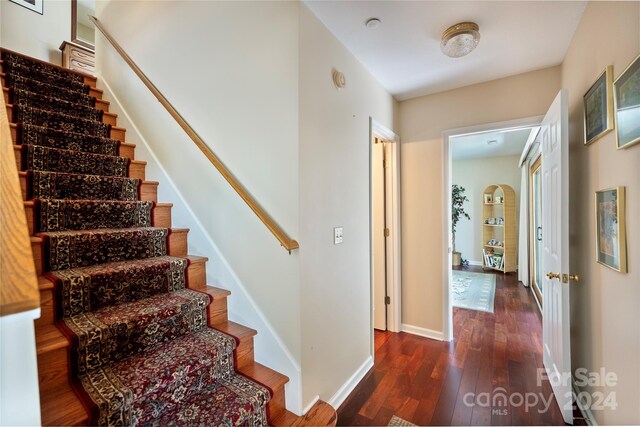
599	107
611	242
626	91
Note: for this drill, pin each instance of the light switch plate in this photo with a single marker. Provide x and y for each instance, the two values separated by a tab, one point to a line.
337	235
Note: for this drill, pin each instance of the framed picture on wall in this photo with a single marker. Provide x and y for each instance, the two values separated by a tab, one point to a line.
35	5
598	107
627	105
611	245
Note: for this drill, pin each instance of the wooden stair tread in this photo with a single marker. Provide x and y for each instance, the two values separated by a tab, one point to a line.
139	162
264	375
44	283
217	292
49	338
61	407
320	414
235	329
196	259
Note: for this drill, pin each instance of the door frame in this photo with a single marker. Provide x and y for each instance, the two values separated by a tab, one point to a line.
394	275
533	166
527	122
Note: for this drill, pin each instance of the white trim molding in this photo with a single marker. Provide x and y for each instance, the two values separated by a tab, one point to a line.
584	410
423	332
447	312
346	389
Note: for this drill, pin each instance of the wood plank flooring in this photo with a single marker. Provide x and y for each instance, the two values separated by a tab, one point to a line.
425	381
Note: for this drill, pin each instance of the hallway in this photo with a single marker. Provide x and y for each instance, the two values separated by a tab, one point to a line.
425	381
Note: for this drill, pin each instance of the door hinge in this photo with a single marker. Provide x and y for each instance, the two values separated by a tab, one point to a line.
386	232
385	164
387	300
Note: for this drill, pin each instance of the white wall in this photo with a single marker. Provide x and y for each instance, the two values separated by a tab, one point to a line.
475	175
605	303
19	388
334	191
231	69
45	34
254	80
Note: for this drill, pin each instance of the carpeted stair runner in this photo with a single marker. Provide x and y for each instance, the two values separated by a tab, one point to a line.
62	215
45	137
60	121
58	185
141	350
36	100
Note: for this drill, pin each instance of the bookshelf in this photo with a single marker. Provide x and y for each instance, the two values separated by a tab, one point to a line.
499	242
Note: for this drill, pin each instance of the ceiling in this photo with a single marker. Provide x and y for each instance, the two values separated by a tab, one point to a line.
474	146
404	52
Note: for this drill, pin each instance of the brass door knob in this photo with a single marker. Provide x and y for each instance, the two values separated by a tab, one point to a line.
551	275
574	277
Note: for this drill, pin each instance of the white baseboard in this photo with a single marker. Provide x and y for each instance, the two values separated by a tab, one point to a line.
310	405
475	263
344	391
423	332
584	410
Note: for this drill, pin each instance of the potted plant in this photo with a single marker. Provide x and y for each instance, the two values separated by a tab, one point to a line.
457	212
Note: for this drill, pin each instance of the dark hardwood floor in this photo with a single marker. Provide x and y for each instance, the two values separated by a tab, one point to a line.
425	381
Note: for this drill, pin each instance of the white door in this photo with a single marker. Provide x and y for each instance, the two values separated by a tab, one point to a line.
379	237
555	256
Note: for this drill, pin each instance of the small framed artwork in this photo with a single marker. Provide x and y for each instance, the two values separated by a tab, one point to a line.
627	105
35	5
611	245
488	198
598	107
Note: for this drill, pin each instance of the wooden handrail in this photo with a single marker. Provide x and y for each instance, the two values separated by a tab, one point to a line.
18	282
284	239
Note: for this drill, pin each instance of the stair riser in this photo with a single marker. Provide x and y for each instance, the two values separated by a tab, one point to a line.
148	190
277	405
127	151
53	369
197	276
217	310
244	352
108	118
161	217
177	247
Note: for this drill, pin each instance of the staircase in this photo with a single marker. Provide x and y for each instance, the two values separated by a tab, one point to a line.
130	332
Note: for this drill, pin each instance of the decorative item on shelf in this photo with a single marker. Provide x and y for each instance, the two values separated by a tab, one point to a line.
457	213
488	198
627	105
611	247
35	5
598	107
499	233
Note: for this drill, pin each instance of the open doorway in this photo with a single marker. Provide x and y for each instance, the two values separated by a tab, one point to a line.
483	172
385	229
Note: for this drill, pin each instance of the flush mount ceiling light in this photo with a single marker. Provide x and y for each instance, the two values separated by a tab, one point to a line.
373	23
460	39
